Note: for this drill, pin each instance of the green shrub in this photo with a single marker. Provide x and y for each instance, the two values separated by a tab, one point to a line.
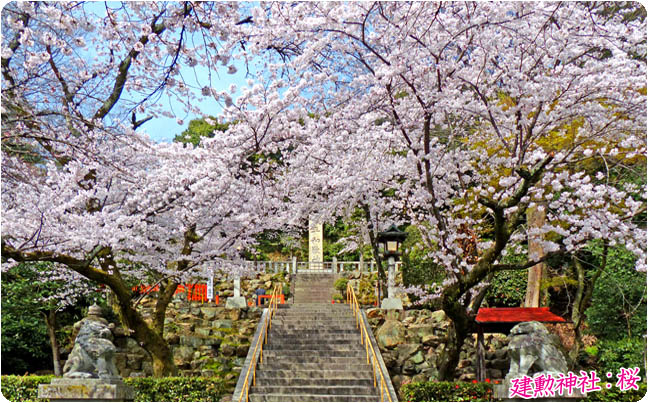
25	388
615	395
508	289
618	307
178	389
341	285
624	353
447	392
482	392
418	268
22	388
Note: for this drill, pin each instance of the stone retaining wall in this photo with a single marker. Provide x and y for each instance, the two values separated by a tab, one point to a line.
206	339
411	341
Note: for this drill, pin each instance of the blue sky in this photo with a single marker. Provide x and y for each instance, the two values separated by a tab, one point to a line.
163	129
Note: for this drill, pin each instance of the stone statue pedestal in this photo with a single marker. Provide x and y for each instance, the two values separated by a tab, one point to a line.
391	303
86	389
235	302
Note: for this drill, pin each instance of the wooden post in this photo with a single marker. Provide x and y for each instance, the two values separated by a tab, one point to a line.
536	218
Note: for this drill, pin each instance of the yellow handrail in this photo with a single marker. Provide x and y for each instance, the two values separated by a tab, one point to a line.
366	341
263	339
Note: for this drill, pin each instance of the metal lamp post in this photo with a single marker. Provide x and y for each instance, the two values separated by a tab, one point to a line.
390	242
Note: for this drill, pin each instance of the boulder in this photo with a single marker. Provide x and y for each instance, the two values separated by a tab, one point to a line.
134	361
375	313
419	378
432	340
234	314
464	364
192	341
242	350
391	334
418	358
147	367
438	316
390	358
203	331
222	324
182	355
404	351
209	312
227	349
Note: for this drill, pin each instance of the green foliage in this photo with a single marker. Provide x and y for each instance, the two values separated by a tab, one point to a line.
22	388
447	392
334	234
418	269
615	395
25	388
508	288
198	129
624	353
341	285
618	308
337	297
23	290
482	392
178	389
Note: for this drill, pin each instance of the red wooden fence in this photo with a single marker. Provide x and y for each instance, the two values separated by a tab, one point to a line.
195	292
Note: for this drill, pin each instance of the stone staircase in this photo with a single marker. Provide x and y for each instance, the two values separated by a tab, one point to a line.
313	352
314	288
314	355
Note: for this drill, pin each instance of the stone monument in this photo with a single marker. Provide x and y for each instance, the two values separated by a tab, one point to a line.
236	301
90	372
315	245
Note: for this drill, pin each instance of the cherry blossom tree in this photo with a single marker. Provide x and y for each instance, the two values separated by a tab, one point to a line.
82	189
471	113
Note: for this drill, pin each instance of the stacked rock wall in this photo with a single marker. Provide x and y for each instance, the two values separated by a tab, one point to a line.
411	342
206	339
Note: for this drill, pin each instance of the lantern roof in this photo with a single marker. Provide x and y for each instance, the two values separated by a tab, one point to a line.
392	234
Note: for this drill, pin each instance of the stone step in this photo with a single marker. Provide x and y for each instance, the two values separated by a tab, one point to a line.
324	316
318	327
273	397
319	362
323	346
263	380
303	342
340	372
324	333
315	390
312	312
314	354
329	365
311	321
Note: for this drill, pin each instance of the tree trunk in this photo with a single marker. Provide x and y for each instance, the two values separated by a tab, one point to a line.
382	277
50	321
582	299
148	338
460	328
